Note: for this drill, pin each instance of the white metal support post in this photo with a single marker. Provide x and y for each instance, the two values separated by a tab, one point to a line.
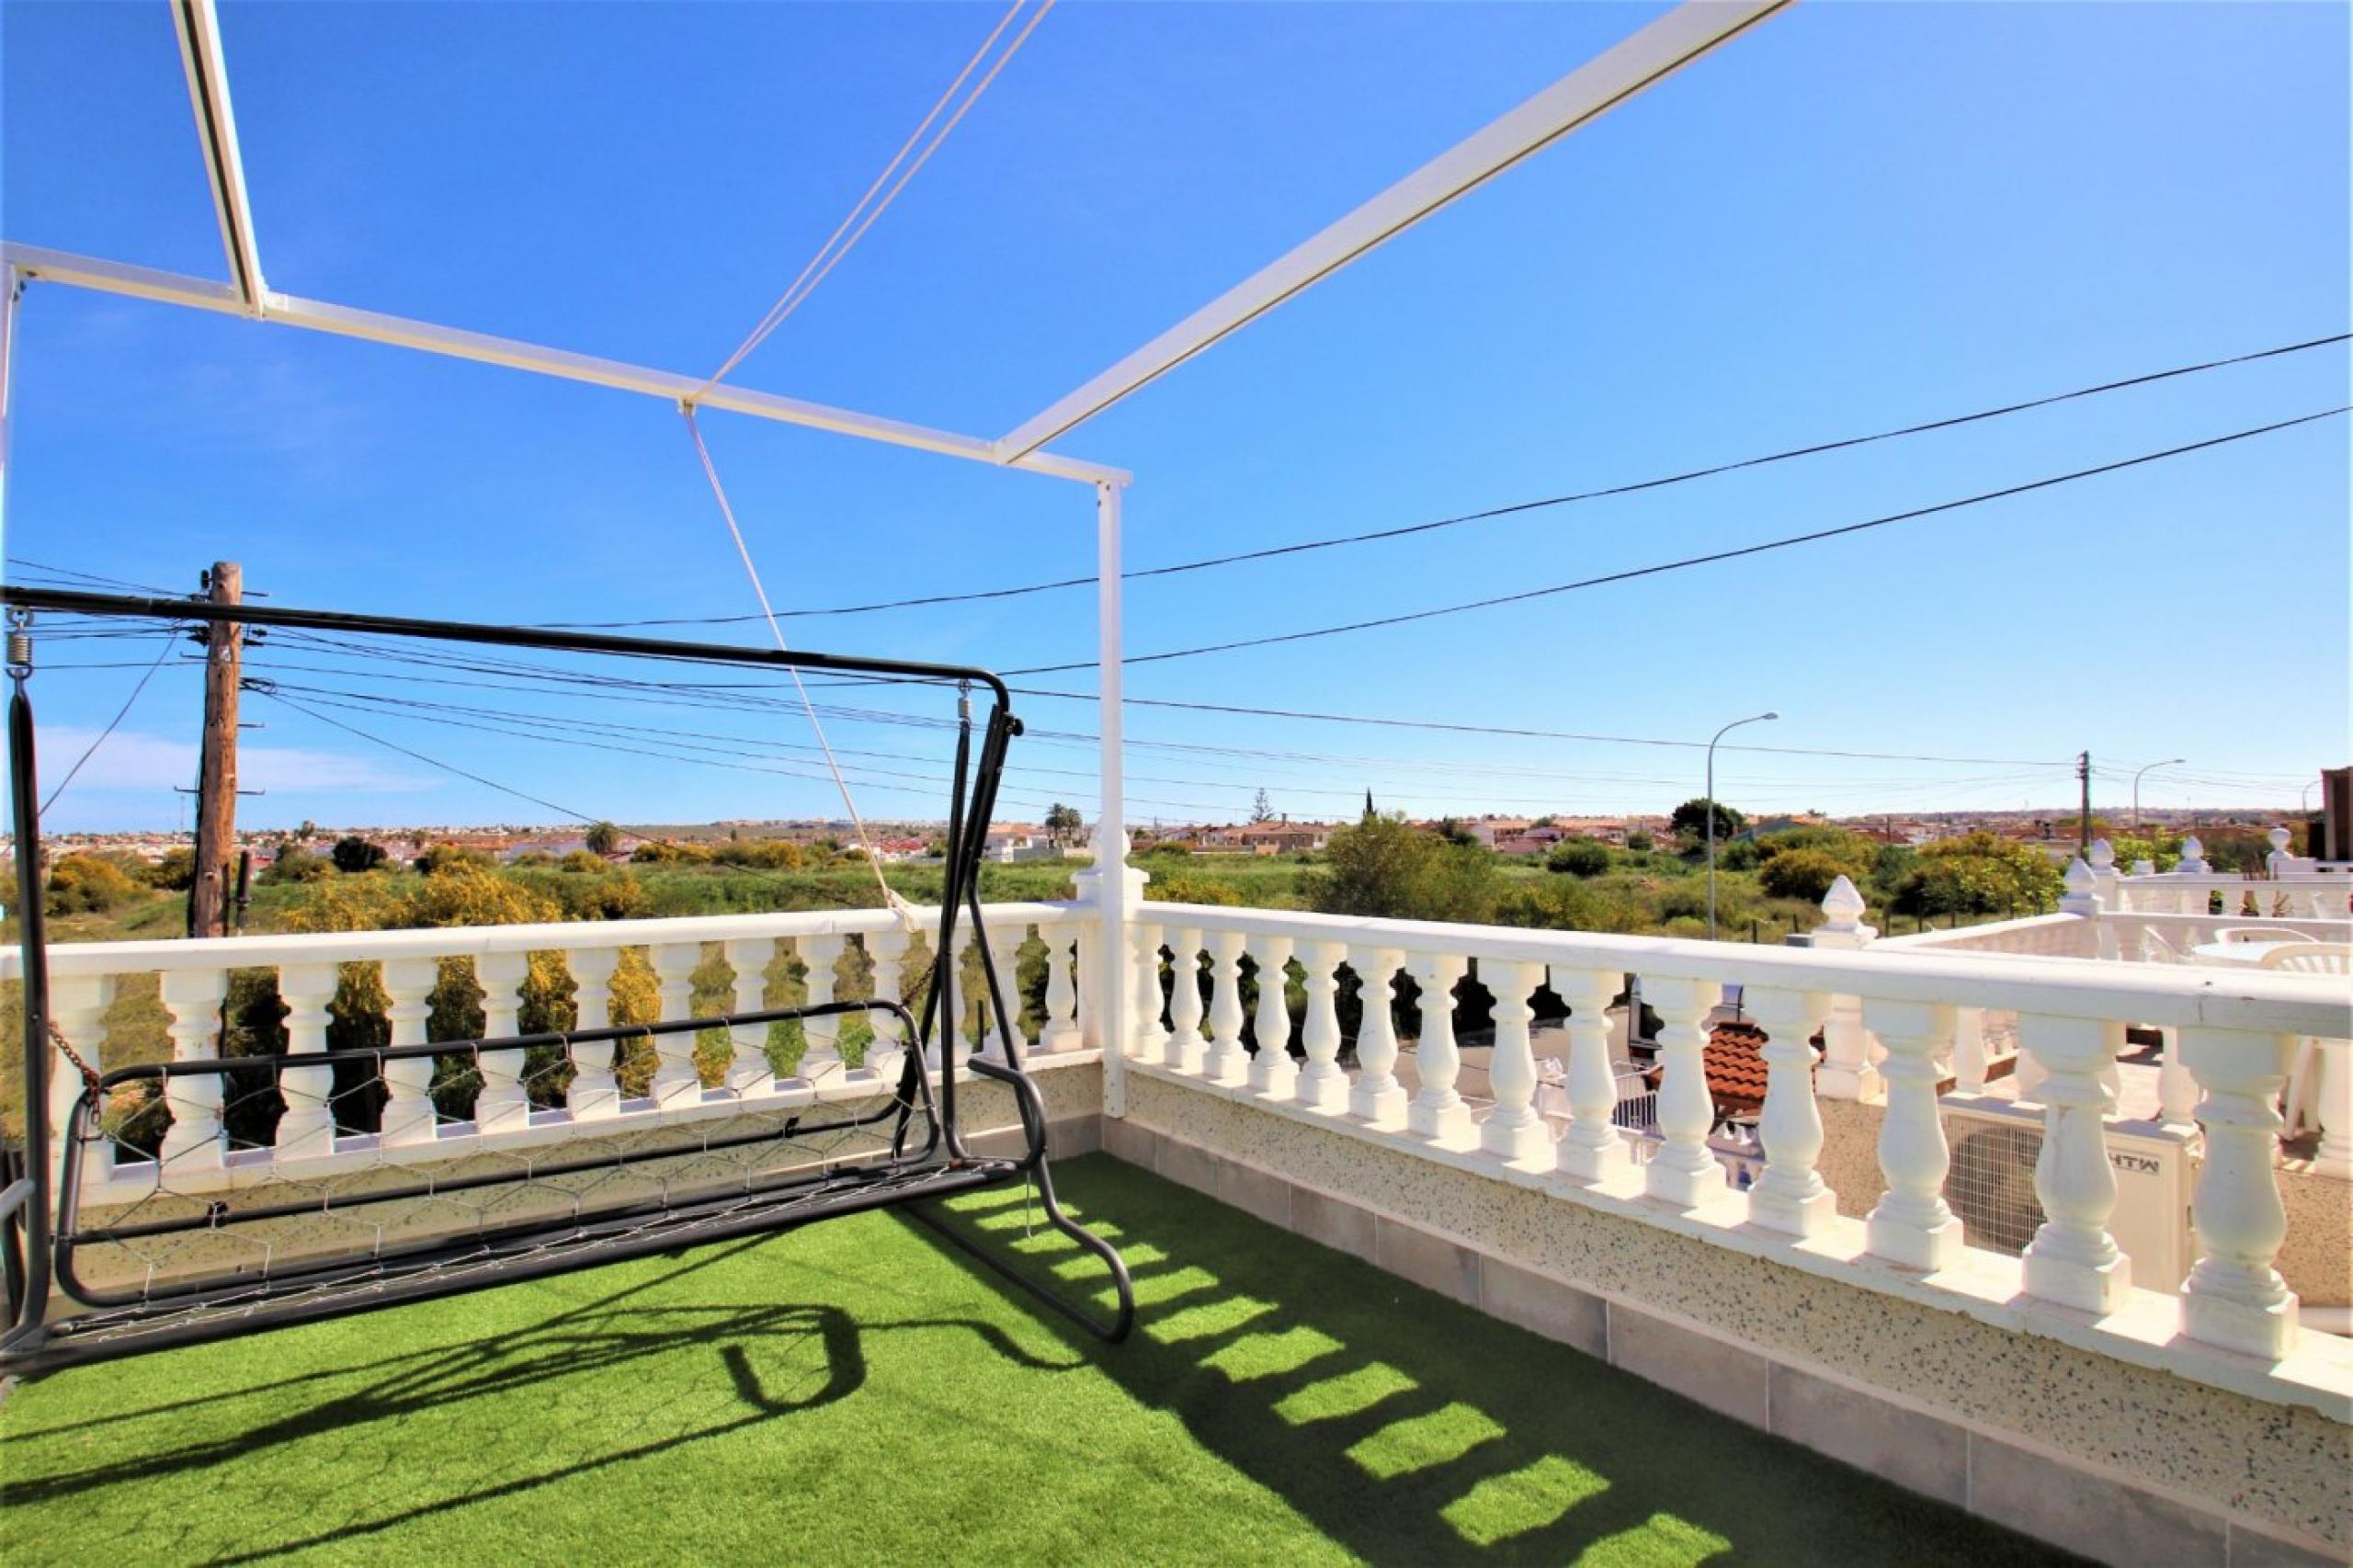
10	286
216	127
1114	894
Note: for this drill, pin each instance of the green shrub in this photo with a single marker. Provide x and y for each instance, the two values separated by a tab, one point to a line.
176	872
353	855
443	859
1639	842
1578	858
1184	888
1804	874
84	885
295	864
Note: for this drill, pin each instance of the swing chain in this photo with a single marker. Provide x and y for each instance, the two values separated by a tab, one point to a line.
57	1038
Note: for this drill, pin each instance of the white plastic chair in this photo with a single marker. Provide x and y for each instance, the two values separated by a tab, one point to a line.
2300	1104
2308	957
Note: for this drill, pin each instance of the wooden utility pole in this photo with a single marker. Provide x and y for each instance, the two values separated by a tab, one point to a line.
216	783
2084	777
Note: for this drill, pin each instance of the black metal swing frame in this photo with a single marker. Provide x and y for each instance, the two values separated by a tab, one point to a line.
42	1230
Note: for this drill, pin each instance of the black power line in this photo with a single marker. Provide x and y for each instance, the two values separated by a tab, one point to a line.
1637	486
1690	561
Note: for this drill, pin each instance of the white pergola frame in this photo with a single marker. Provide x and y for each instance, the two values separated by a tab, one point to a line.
1639	62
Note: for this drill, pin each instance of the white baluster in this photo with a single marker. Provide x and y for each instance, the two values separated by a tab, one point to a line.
1846	1073
1322	1084
2234	1297
677	1083
2073	1261
193	999
306	1131
1790	1195
1228	1063
1684	1171
1911	1224
1063	1030
1438	1112
1152	1035
1184	1000
886	1054
409	1116
596	1092
992	1041
948	1024
1969	1050
77	1005
748	1073
2335	1104
1592	1150
1515	1130
1273	1074
1377	1096
504	1103
2177	1086
821	1055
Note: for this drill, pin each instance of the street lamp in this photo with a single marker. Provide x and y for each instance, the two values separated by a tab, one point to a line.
1720	734
2169	762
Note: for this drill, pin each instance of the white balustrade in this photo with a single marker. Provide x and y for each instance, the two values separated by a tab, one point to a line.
821	1051
1592	1150
1970	1056
1228	1061
2234	1297
886	1053
1685	1170
1515	1130
408	1116
1321	1085
1911	1223
2334	1157
677	1081
596	1092
1438	1113
1061	1031
1184	1050
2073	1261
193	1142
77	1008
503	1103
1152	1035
1272	1072
1378	1097
1791	1196
747	1064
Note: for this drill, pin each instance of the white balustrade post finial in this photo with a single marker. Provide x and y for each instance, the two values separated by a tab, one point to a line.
1843	927
2234	1297
2082	894
1592	1150
1791	1196
1438	1112
2193	857
1377	1096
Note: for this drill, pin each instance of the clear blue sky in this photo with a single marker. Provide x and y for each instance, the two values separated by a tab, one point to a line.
1859	216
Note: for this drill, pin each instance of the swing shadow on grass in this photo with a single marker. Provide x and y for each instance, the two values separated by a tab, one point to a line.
1410	1428
863	1392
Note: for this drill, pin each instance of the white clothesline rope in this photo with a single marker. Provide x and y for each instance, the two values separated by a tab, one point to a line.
836	245
891	899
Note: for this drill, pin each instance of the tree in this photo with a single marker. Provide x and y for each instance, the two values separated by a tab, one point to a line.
1385	867
1639	842
176	872
1064	825
1452	830
1579	857
295	864
602	839
1690	819
1977	873
84	884
1262	807
354	854
1801	873
444	858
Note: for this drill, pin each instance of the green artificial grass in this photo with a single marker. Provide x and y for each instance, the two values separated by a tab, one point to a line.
859	1392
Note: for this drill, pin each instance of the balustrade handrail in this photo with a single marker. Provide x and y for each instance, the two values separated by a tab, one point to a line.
70	959
2083	988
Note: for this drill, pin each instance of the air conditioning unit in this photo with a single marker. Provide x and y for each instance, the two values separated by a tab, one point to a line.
1994	1143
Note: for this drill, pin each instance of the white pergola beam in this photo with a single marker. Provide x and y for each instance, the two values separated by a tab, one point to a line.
216	131
342	321
1601	83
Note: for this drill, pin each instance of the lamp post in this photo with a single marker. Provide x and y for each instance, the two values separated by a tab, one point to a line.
2169	762
1720	734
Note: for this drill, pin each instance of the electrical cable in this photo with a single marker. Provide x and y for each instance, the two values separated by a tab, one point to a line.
1711	558
112	725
